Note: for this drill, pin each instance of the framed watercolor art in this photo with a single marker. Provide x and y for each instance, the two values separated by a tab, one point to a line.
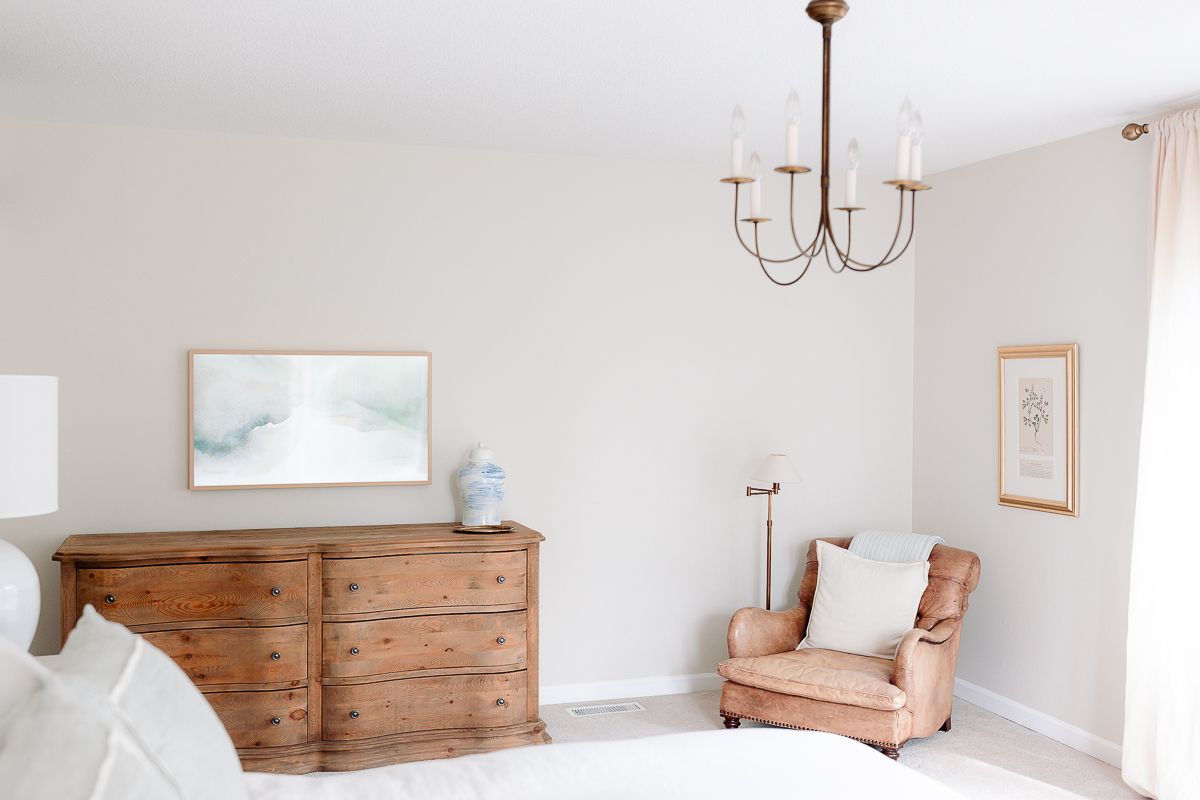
274	419
1038	426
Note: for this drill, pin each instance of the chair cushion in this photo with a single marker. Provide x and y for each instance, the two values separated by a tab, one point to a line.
821	675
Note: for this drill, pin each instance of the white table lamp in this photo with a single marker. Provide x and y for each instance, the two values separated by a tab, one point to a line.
28	487
774	469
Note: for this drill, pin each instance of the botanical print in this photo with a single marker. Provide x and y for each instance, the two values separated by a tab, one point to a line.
1037	422
272	419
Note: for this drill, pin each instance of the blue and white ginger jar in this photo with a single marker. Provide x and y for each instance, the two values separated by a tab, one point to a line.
481	488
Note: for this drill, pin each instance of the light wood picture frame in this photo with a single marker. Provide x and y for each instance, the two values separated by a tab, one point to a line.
1038	427
274	419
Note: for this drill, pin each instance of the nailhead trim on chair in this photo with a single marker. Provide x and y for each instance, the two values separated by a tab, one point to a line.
874	742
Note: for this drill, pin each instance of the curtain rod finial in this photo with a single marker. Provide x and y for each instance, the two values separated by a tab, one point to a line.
1134	130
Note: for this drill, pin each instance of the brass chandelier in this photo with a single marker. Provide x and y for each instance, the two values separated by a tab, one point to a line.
825	242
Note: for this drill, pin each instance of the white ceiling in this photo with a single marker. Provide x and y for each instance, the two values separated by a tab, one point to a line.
648	79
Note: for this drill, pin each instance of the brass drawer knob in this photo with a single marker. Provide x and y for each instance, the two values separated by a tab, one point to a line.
500	640
501	702
276	591
353	715
354	587
275	656
276	720
353	651
501	579
110	599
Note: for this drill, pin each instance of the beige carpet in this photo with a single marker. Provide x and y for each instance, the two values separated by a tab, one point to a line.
984	756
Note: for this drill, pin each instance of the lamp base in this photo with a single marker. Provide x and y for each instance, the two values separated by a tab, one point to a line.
20	596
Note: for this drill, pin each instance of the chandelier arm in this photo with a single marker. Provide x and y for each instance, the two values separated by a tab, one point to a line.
912	226
755	252
888	258
770	277
849	262
849	244
792	220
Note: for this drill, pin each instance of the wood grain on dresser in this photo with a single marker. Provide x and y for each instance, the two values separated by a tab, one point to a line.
186	592
364	710
238	655
334	648
418	644
263	719
441	580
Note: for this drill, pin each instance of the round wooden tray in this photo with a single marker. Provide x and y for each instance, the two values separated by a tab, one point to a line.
484	529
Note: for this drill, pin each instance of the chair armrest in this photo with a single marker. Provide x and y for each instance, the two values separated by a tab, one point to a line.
908	653
758	632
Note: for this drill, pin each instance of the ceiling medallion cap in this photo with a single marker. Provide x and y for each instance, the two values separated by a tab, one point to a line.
827	12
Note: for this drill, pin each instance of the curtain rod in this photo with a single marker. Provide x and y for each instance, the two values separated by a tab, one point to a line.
1134	130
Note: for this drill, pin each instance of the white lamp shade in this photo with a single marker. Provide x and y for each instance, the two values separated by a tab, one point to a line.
776	468
28	445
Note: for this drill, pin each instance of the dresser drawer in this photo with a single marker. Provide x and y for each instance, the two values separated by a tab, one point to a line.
263	719
237	655
354	649
188	592
421	704
441	580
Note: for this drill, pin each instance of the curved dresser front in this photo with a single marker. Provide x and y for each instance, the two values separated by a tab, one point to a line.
333	648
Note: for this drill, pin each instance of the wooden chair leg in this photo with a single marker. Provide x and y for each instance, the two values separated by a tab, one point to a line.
945	725
731	721
891	752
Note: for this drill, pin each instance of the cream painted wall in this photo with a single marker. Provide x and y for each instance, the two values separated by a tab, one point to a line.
1042	246
592	320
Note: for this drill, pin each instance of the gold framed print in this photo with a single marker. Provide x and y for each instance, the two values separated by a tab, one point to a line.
1038	410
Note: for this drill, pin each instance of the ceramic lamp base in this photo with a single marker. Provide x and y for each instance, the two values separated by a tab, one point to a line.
20	596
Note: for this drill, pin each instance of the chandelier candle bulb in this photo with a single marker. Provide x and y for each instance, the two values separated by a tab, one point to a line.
737	131
852	174
914	165
756	187
792	116
904	141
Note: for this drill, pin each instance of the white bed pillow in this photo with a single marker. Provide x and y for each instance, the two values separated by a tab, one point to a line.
119	719
20	677
65	743
863	606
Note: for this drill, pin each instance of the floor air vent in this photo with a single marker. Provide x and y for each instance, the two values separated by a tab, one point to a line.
612	708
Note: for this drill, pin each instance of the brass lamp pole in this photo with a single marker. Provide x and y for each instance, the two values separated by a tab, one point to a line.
775	469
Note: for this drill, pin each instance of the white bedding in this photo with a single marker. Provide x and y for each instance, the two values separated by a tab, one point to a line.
682	766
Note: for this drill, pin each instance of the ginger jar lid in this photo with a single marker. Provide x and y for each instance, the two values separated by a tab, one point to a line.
481	454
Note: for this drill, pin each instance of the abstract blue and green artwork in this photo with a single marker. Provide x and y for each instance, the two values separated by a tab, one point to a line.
262	419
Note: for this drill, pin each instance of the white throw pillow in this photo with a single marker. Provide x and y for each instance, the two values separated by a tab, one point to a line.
862	606
119	719
65	743
21	676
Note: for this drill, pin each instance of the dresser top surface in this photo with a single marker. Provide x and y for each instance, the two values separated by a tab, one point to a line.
284	542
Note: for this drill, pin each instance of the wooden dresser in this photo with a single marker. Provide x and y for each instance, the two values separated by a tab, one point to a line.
333	648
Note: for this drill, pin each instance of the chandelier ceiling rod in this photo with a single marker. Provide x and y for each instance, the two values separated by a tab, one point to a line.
908	180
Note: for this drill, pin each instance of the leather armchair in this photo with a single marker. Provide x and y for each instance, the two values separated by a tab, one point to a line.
878	701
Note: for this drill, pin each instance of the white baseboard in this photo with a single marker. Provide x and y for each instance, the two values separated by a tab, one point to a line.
632	687
1039	722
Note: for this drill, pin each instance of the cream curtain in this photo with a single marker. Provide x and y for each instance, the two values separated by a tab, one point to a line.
1161	755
